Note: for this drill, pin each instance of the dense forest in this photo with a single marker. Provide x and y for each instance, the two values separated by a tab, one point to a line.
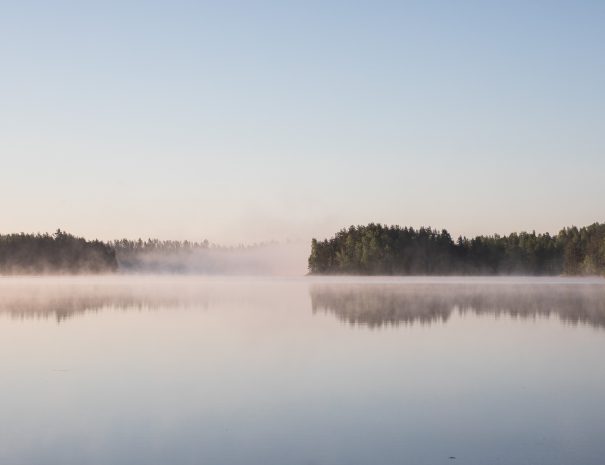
377	249
54	254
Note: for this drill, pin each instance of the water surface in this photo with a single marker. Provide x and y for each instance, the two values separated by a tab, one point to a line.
149	370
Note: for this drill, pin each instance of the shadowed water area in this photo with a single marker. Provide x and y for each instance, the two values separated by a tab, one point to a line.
190	370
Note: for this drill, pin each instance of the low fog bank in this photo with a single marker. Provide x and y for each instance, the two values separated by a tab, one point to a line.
273	259
64	254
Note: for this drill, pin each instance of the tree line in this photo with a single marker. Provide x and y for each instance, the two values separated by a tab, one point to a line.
374	249
56	254
63	253
378	249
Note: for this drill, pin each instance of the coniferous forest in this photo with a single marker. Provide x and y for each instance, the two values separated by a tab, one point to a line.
378	249
59	253
63	253
374	249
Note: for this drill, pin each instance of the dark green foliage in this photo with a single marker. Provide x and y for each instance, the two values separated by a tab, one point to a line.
583	249
54	254
377	249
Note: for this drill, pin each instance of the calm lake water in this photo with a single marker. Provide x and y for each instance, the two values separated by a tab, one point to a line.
139	370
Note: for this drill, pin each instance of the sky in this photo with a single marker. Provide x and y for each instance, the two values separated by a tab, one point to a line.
242	122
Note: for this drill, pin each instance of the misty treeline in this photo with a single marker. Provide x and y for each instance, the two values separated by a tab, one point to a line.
156	256
378	249
63	253
57	253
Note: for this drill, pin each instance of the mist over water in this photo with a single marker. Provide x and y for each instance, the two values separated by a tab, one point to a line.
302	233
273	259
270	371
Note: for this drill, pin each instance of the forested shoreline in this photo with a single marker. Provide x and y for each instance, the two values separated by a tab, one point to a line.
373	249
63	253
59	253
377	249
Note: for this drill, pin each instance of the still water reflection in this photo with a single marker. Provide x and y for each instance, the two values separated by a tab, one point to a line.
122	370
375	305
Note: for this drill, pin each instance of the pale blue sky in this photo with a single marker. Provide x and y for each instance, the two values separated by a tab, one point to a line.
249	121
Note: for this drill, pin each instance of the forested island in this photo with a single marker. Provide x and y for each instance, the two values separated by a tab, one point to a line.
378	249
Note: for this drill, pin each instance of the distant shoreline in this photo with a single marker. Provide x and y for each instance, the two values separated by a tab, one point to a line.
372	250
378	249
64	254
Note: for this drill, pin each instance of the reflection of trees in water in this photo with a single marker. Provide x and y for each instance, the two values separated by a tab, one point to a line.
377	305
62	302
367	304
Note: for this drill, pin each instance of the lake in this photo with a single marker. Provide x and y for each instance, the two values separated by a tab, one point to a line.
278	371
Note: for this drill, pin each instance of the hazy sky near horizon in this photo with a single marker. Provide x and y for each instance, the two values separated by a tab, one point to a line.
251	121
